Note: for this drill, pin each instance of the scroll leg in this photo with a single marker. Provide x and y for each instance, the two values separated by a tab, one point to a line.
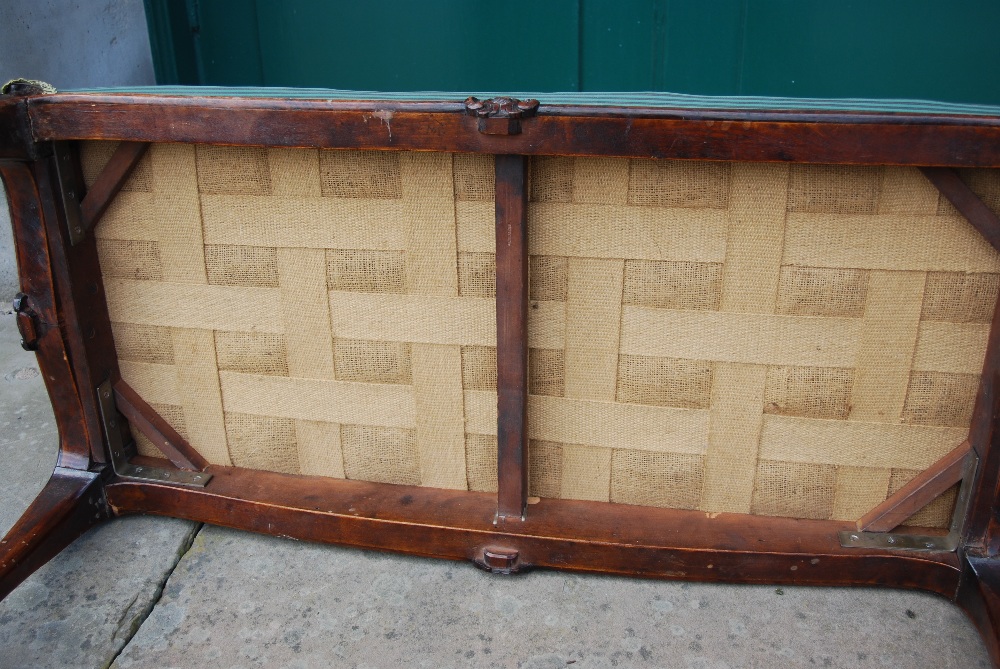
69	504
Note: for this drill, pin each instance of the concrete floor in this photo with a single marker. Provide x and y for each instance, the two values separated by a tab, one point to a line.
155	592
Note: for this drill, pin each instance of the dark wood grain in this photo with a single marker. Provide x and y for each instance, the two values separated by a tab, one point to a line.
565	534
918	492
512	334
37	280
144	418
967	202
83	311
111	179
979	596
812	137
68	505
16	142
982	534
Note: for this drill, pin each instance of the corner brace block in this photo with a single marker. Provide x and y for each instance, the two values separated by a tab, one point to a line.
121	451
947	543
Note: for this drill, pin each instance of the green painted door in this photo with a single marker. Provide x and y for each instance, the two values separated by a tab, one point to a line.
797	48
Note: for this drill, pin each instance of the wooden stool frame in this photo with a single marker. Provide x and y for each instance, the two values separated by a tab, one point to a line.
63	316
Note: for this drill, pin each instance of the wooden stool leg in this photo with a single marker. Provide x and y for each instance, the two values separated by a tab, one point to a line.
979	595
70	503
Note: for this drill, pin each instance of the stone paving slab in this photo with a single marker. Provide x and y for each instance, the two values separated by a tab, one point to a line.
28	438
238	600
81	608
25	410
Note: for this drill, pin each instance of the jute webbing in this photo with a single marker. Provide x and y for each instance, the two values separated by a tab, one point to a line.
481	412
762	339
826	325
593	324
304	303
131	215
305	309
207	307
617	425
853	443
197	385
427	319
893	242
383	404
754	238
298	222
734	435
905	190
294	172
319	448
440	418
622	231
586	473
182	251
858	490
301	310
750	282
155	383
781	340
951	347
888	339
475	226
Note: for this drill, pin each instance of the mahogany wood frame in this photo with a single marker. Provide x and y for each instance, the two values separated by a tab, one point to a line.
70	330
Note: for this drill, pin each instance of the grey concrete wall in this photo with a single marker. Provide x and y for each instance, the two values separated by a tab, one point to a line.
70	44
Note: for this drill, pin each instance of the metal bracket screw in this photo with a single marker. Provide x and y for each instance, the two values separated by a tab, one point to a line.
69	186
121	452
916	542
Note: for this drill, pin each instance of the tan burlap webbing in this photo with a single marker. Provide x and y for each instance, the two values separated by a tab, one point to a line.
817	331
772	339
310	312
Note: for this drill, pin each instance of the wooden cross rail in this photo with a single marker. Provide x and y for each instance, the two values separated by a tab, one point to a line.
512	334
111	179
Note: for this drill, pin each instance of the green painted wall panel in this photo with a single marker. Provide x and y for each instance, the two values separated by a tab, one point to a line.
227	41
865	48
704	47
172	42
623	50
797	48
440	45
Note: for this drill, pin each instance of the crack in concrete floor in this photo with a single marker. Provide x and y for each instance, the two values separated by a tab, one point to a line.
135	624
